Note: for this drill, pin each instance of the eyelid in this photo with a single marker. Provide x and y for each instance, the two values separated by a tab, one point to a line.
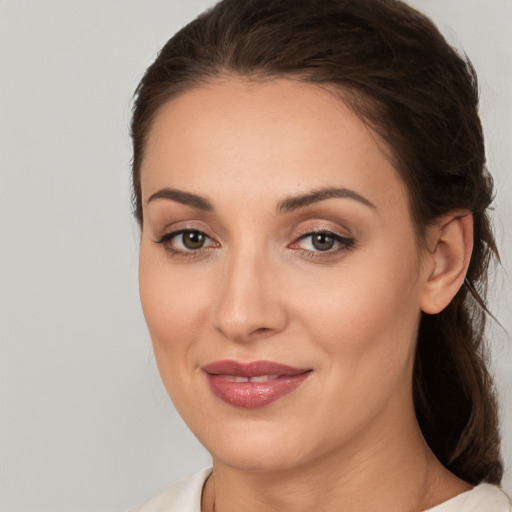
166	240
171	234
328	232
343	242
322	226
181	226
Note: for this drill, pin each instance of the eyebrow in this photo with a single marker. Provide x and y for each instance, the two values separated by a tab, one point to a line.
286	205
185	198
295	202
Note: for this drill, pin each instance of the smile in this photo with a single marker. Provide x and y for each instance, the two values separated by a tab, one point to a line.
253	385
261	378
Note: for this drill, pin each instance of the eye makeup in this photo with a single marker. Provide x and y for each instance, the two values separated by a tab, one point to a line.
187	243
322	243
313	243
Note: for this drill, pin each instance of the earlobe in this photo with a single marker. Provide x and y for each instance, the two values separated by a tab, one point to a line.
450	243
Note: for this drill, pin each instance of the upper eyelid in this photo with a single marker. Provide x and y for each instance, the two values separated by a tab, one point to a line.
171	234
319	226
300	234
342	233
340	238
319	230
180	227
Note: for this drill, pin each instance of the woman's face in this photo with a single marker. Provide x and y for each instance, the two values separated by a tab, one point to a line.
279	274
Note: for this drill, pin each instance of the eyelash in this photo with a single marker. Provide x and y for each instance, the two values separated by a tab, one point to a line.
344	244
166	239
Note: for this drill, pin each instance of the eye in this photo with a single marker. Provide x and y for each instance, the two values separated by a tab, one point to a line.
190	240
186	241
322	242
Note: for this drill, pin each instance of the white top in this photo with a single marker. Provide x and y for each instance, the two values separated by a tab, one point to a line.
185	496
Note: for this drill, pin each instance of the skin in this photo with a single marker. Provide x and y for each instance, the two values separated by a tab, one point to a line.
260	290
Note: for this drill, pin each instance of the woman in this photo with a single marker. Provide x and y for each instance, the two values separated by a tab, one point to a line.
310	185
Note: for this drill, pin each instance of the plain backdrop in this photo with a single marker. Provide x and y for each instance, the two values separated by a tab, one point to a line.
85	424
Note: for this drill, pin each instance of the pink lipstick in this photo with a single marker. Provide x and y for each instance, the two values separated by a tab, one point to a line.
253	385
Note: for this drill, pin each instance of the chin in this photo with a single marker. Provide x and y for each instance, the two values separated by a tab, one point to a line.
257	460
257	450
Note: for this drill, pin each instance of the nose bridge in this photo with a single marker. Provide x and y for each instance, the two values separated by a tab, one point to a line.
247	305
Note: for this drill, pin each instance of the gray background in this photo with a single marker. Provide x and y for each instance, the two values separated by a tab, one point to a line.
85	424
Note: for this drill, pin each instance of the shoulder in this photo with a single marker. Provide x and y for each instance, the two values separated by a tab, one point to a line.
184	496
482	498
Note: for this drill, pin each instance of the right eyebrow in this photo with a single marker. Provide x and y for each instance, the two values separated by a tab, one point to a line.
186	198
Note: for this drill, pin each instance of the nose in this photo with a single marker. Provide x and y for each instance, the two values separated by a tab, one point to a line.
248	304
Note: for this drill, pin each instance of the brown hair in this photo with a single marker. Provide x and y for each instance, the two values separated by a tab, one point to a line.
394	68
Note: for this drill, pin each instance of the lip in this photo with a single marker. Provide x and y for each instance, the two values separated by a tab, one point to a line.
227	381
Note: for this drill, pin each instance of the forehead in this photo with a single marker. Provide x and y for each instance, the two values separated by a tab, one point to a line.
275	137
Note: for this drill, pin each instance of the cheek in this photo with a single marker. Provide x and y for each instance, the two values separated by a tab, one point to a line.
366	311
173	306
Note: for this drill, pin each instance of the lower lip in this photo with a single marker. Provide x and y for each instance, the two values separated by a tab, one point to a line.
252	395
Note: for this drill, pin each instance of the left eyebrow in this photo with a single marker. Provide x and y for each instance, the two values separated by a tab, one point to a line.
291	203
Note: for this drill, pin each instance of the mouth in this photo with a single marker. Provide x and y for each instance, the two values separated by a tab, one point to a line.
261	378
253	385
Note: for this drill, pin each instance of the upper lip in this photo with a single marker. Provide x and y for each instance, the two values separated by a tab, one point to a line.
251	369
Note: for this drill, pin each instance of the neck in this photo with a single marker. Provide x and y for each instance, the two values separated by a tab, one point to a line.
361	476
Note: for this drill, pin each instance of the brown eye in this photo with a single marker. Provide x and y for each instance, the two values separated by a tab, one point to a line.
186	241
193	240
322	241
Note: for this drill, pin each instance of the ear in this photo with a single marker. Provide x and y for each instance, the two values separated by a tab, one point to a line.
446	260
